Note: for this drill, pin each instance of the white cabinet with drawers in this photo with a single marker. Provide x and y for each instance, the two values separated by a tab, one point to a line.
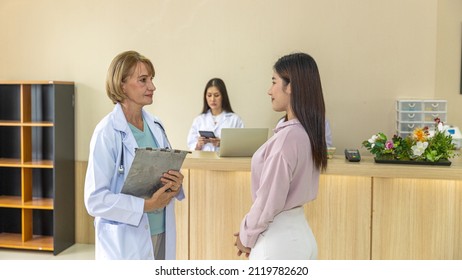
411	114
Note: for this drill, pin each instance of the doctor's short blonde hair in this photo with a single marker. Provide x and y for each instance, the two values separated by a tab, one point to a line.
122	67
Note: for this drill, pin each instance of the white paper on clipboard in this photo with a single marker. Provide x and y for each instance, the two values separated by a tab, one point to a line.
147	168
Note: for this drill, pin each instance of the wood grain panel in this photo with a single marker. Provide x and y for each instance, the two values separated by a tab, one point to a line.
26	144
26	184
26	101
84	228
340	217
182	221
417	219
27	229
218	202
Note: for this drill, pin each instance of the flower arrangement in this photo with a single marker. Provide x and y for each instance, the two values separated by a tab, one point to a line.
418	146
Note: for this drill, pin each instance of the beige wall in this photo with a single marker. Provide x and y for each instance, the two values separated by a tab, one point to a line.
448	57
369	52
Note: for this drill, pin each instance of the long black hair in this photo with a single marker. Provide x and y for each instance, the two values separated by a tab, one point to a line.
220	85
307	101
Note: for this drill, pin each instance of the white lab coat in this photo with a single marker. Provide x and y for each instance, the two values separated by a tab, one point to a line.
121	227
206	122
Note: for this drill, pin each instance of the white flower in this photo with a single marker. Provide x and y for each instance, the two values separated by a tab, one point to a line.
419	148
440	126
443	128
373	139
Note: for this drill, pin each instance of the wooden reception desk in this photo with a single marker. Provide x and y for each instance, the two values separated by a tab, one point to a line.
363	210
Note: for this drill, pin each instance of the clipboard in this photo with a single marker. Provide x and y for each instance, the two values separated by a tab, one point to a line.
147	168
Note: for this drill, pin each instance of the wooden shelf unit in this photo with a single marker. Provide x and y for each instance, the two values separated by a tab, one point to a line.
37	167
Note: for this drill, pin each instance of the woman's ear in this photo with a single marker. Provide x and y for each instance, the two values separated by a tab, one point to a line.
288	89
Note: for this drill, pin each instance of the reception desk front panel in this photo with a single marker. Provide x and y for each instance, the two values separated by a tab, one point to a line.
363	210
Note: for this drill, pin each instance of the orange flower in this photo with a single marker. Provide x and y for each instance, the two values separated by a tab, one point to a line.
420	134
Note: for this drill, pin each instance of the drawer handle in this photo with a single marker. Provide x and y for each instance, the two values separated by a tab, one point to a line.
435	115
411	105
411	115
435	105
411	125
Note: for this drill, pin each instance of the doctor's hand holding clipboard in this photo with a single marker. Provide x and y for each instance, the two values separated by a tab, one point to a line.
172	181
162	196
153	176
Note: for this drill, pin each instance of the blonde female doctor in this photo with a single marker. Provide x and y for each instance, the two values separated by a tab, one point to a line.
216	114
122	227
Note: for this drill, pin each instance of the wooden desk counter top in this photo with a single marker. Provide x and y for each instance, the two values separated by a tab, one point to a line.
338	166
210	161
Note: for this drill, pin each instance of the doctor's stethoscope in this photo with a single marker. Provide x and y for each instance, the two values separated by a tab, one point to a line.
121	168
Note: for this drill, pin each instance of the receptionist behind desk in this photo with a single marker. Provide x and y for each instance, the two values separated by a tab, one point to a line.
216	114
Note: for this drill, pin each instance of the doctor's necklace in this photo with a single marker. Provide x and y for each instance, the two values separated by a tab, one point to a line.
216	119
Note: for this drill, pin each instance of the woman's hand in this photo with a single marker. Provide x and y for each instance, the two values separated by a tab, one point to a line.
215	141
201	141
173	176
160	198
172	181
240	247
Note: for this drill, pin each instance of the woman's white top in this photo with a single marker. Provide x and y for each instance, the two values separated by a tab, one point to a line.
209	122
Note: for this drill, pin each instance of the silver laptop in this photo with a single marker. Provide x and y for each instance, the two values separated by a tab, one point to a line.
241	142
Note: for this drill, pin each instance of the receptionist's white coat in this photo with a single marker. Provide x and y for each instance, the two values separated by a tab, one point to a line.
121	227
206	122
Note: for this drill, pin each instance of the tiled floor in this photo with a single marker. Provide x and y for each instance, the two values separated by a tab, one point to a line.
75	252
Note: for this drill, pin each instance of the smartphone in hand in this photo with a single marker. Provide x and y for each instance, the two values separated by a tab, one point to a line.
207	134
